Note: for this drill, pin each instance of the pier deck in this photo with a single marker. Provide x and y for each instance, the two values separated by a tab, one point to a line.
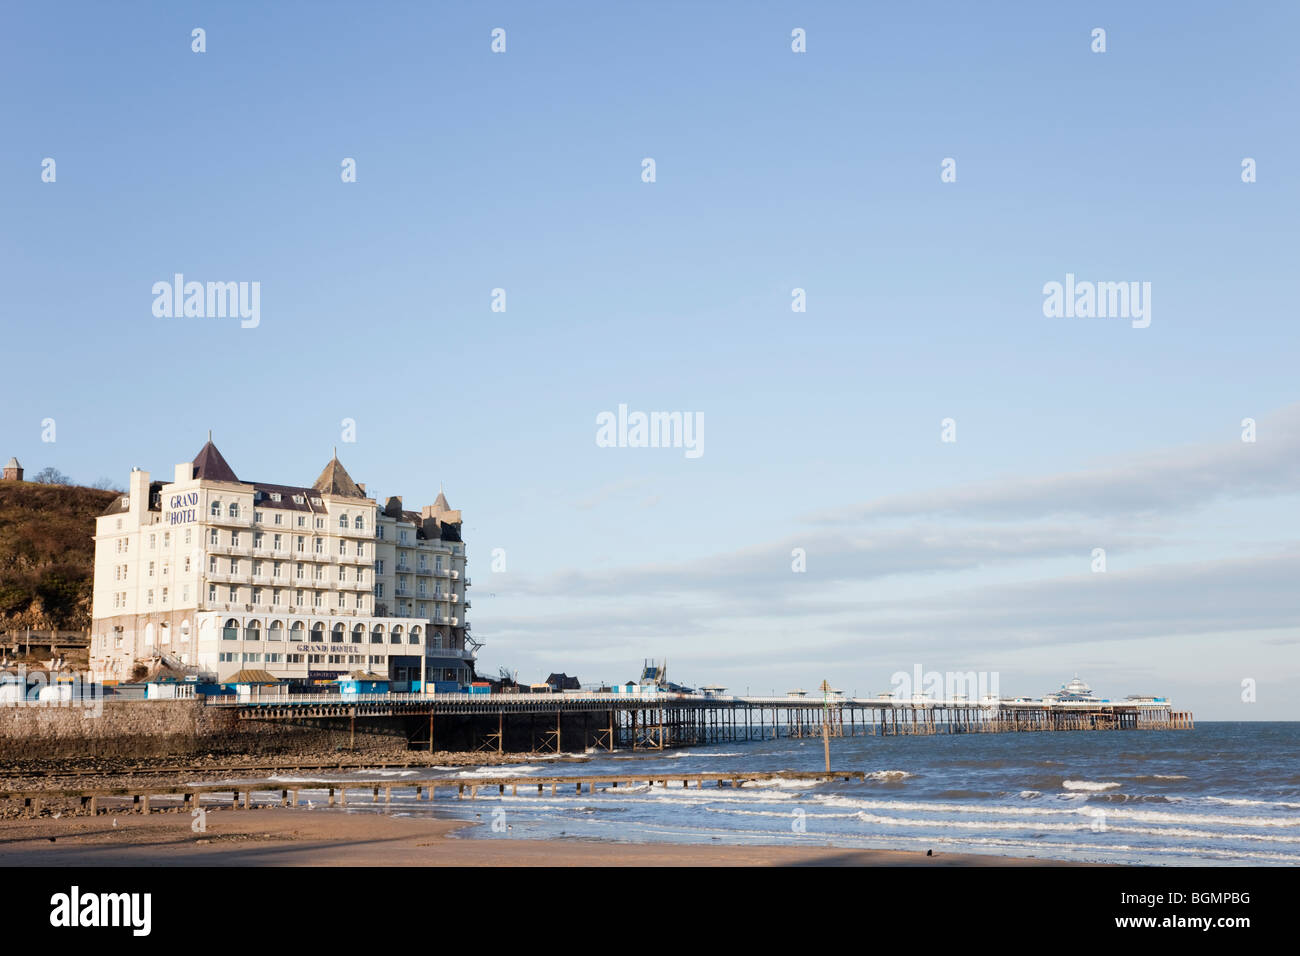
659	721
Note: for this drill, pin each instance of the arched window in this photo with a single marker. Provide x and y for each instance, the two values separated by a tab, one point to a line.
377	635
337	636
230	632
318	633
234	509
216	509
254	631
343	522
185	630
415	635
275	632
397	635
359	523
359	634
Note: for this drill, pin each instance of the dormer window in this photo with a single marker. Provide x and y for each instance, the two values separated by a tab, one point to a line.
275	496
315	501
297	499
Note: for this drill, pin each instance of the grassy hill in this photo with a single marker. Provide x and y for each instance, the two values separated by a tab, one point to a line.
47	554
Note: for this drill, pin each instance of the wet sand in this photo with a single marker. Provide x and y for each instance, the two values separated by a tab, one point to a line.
302	837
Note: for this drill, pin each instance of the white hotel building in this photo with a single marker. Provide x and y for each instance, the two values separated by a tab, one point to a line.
220	575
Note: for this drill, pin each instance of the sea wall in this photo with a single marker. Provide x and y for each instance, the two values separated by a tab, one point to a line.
176	728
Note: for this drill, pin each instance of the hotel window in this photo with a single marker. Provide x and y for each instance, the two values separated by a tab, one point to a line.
212	593
343	546
359	524
187	565
150	569
257	595
187	535
234	565
234	539
396	636
379	532
257	568
343	573
149	595
214	539
257	517
216	509
361	549
278	542
234	595
316	598
422	609
212	565
278	518
275	496
252	658
226	657
275	569
302	543
415	636
126	545
117	546
153	541
297	596
377	636
253	632
231	630
273	658
379	566
359	602
437	563
315	658
300	569
343	522
401	535
379	590
297	499
302	521
167	539
185	593
320	522
166	570
164	596
275	596
293	658
316	501
319	570
319	545
259	540
234	509
275	632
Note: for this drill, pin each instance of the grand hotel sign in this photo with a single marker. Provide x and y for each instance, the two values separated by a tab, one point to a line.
183	508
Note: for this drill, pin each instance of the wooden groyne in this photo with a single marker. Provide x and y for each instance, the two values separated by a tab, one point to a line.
142	798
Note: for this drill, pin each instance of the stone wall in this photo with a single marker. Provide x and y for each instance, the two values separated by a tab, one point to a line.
176	728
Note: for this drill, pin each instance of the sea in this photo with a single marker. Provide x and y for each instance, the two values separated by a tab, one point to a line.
1221	794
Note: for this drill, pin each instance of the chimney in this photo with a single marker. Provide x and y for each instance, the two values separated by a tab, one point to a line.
139	491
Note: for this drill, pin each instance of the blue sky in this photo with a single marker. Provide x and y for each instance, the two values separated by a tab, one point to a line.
775	170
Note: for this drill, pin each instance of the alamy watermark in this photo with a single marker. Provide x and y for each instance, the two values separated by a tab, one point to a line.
972	686
210	300
38	688
1098	300
651	430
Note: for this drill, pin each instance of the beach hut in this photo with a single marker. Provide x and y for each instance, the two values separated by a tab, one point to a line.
250	683
360	682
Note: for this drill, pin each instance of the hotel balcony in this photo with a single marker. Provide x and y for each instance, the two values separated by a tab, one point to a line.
228	522
424	570
454	575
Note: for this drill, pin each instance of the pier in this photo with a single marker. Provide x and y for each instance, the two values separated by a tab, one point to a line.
550	723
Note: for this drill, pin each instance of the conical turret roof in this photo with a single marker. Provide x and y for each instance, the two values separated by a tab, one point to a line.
335	480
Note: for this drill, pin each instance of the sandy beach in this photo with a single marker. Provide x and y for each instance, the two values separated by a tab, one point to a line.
301	837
